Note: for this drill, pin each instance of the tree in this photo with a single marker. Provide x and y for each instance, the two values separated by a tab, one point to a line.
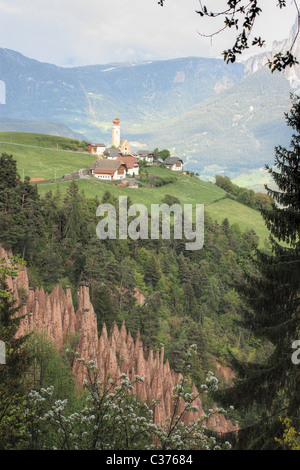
242	15
291	437
163	154
21	223
170	200
156	154
152	272
48	367
272	307
76	230
12	372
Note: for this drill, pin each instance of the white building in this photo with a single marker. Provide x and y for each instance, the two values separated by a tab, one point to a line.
174	163
109	170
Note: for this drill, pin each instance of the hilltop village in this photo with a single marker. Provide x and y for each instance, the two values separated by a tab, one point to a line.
119	161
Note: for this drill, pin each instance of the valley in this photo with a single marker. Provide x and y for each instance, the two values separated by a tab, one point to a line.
209	113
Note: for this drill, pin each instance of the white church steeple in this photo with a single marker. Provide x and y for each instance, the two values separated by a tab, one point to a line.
116	137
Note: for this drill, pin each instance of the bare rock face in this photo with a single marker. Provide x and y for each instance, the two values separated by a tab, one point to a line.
113	353
292	74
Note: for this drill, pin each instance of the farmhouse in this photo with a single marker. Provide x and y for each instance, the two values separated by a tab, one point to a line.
112	153
115	168
173	163
132	164
109	169
146	156
96	149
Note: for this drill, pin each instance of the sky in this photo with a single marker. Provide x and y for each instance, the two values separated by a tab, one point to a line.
84	32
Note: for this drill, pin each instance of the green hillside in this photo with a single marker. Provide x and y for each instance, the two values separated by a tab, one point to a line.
188	190
37	156
42	156
245	217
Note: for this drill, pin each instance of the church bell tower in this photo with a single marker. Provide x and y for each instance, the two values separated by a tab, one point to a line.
116	133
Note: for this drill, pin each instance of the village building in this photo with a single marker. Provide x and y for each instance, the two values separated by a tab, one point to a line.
115	168
125	147
132	164
173	163
116	133
96	149
120	150
146	155
112	153
108	169
121	144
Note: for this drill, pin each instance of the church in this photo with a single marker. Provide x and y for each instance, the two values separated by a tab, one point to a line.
118	145
121	144
118	162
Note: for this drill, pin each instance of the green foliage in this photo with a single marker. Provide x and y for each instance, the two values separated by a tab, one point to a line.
177	286
162	181
291	438
270	383
243	195
21	221
48	367
13	371
163	154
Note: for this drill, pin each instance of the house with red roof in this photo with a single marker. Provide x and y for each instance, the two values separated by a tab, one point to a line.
96	149
132	164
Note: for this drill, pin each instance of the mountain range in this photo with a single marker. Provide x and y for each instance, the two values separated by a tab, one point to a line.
218	117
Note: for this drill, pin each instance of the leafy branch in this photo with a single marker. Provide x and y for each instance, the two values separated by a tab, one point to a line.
241	15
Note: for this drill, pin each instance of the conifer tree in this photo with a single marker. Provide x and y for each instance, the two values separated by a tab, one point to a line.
272	299
21	222
152	274
14	364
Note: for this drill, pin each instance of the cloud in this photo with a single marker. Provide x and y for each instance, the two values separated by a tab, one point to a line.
81	32
7	8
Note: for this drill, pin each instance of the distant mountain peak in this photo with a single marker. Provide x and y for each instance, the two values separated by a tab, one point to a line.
292	74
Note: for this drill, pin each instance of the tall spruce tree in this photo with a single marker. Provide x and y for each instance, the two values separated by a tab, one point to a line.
272	311
13	369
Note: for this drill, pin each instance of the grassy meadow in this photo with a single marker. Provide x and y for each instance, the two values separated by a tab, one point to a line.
37	155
